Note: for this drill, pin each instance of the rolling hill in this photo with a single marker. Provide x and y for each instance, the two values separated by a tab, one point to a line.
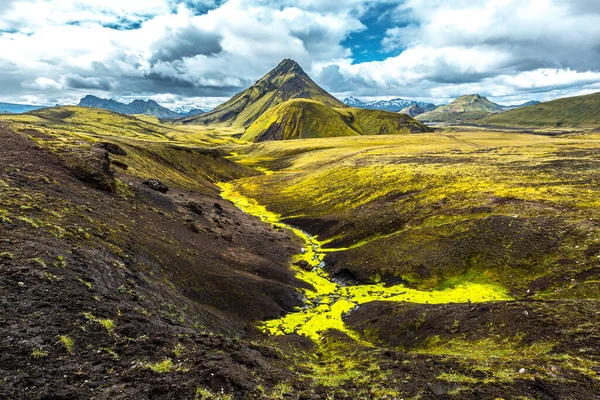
287	81
463	108
575	112
301	118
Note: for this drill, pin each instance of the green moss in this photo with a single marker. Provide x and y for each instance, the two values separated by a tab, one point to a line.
39	353
161	367
86	283
206	394
108	324
111	353
67	342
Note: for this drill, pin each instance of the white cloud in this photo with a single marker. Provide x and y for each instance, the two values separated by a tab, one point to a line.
62	49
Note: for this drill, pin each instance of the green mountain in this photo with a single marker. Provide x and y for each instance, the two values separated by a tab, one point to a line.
301	118
471	106
576	112
287	81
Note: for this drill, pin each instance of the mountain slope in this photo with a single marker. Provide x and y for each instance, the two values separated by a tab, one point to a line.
393	105
149	107
471	106
413	110
17	108
577	112
287	81
301	118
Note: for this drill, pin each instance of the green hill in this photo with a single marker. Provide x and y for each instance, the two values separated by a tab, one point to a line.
301	118
576	112
287	81
466	107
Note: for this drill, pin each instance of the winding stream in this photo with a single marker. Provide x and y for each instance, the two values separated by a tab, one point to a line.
326	304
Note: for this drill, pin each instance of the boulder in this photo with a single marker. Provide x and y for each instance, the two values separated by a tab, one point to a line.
157	185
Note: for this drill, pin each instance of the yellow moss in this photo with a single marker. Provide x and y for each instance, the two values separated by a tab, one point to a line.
327	302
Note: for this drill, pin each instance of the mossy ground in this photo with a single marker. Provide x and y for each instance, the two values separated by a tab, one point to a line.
431	214
137	279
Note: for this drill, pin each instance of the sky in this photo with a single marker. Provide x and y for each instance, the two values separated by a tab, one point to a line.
198	53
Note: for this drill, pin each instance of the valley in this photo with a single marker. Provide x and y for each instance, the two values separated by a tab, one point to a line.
286	245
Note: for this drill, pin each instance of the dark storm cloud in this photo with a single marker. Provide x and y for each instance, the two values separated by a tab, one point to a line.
186	42
76	81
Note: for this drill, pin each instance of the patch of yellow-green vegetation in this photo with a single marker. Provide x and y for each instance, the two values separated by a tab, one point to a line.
7	255
39	353
108	324
179	350
499	359
207	394
67	342
60	262
85	283
113	354
327	302
161	367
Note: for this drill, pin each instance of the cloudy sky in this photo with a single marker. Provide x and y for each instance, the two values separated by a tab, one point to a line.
200	52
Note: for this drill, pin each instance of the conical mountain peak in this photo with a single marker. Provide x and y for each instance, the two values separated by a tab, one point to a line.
287	66
285	82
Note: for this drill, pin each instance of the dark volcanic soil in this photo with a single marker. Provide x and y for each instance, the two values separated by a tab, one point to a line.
133	278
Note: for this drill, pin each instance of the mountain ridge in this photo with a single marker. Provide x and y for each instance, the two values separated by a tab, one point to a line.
393	105
149	107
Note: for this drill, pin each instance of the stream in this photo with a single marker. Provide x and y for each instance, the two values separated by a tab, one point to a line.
328	302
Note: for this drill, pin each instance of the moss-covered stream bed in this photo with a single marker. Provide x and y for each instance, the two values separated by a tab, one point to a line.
329	302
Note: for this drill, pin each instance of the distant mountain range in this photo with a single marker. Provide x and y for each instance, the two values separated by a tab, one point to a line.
9	108
149	107
393	105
